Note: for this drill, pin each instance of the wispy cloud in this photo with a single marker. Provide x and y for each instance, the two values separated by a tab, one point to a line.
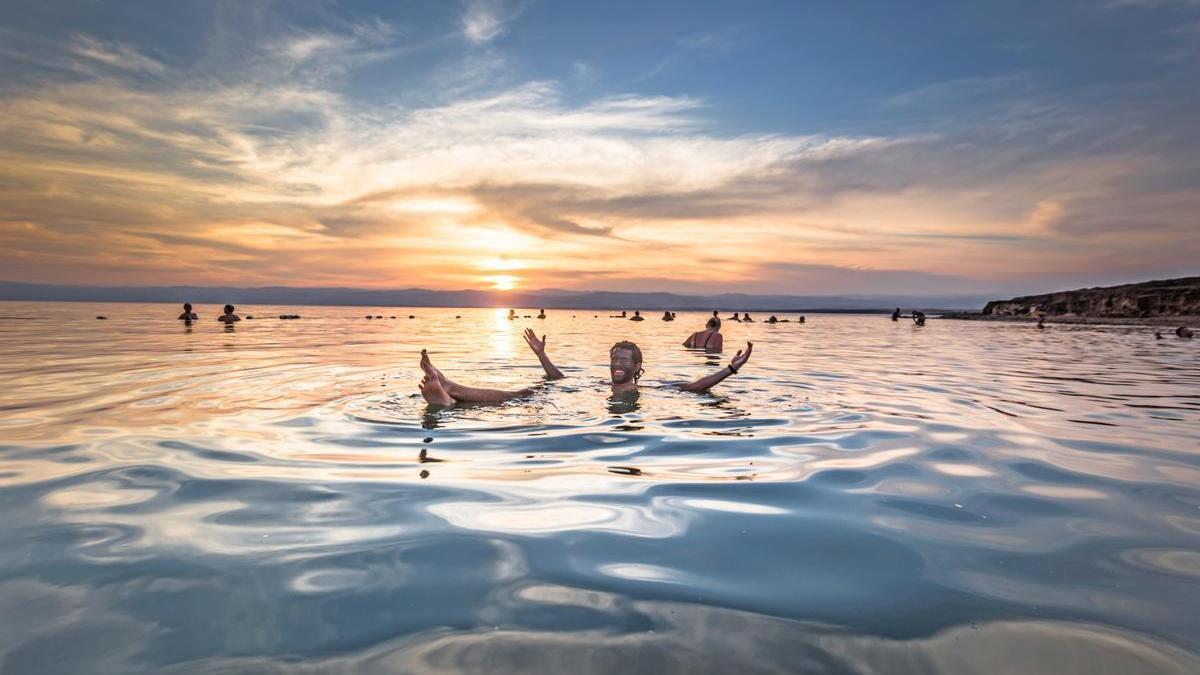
115	54
484	20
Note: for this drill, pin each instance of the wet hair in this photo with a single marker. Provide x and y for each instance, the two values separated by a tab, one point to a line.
187	306
637	355
713	322
229	309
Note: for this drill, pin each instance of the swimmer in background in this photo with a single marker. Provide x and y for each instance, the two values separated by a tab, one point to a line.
625	369
622	315
188	314
667	316
229	317
746	317
637	316
541	314
773	319
512	315
896	315
918	317
709	339
801	319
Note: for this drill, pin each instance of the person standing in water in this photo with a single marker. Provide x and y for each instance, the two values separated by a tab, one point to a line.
541	314
896	315
918	317
709	339
625	369
512	314
188	314
637	316
229	317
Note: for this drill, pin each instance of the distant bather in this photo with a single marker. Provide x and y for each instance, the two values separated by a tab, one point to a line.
229	317
709	339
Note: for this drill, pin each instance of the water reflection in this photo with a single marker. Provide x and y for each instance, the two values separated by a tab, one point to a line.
286	502
623	402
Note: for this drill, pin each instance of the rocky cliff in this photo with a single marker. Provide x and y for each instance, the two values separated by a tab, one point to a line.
1170	297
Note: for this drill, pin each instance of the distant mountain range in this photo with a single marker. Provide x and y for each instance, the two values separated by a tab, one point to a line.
421	297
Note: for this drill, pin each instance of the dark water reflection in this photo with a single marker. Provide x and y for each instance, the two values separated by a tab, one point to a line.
864	497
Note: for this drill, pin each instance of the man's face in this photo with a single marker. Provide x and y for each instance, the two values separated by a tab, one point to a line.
622	367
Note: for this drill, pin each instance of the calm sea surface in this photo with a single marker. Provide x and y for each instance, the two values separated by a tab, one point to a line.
865	497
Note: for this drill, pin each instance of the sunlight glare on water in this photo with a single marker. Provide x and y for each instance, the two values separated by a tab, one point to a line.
865	496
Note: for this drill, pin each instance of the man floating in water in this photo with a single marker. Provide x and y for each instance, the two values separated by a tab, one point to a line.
625	369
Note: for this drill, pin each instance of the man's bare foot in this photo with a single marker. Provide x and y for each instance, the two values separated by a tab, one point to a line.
431	389
432	371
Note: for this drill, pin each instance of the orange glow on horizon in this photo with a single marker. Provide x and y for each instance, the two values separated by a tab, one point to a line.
503	282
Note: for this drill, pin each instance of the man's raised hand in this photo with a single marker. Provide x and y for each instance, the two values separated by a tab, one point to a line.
531	339
741	357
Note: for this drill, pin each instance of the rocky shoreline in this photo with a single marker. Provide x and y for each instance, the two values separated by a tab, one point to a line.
1166	302
1171	322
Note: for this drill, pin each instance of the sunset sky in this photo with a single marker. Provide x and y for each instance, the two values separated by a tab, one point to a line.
788	147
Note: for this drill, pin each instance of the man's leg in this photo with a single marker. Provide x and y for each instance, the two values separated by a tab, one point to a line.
463	393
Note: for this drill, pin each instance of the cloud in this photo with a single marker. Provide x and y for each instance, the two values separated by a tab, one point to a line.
484	20
114	54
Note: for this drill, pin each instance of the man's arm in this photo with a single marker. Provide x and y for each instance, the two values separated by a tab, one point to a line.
539	348
707	382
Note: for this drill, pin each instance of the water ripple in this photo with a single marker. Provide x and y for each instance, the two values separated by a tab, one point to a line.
865	497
